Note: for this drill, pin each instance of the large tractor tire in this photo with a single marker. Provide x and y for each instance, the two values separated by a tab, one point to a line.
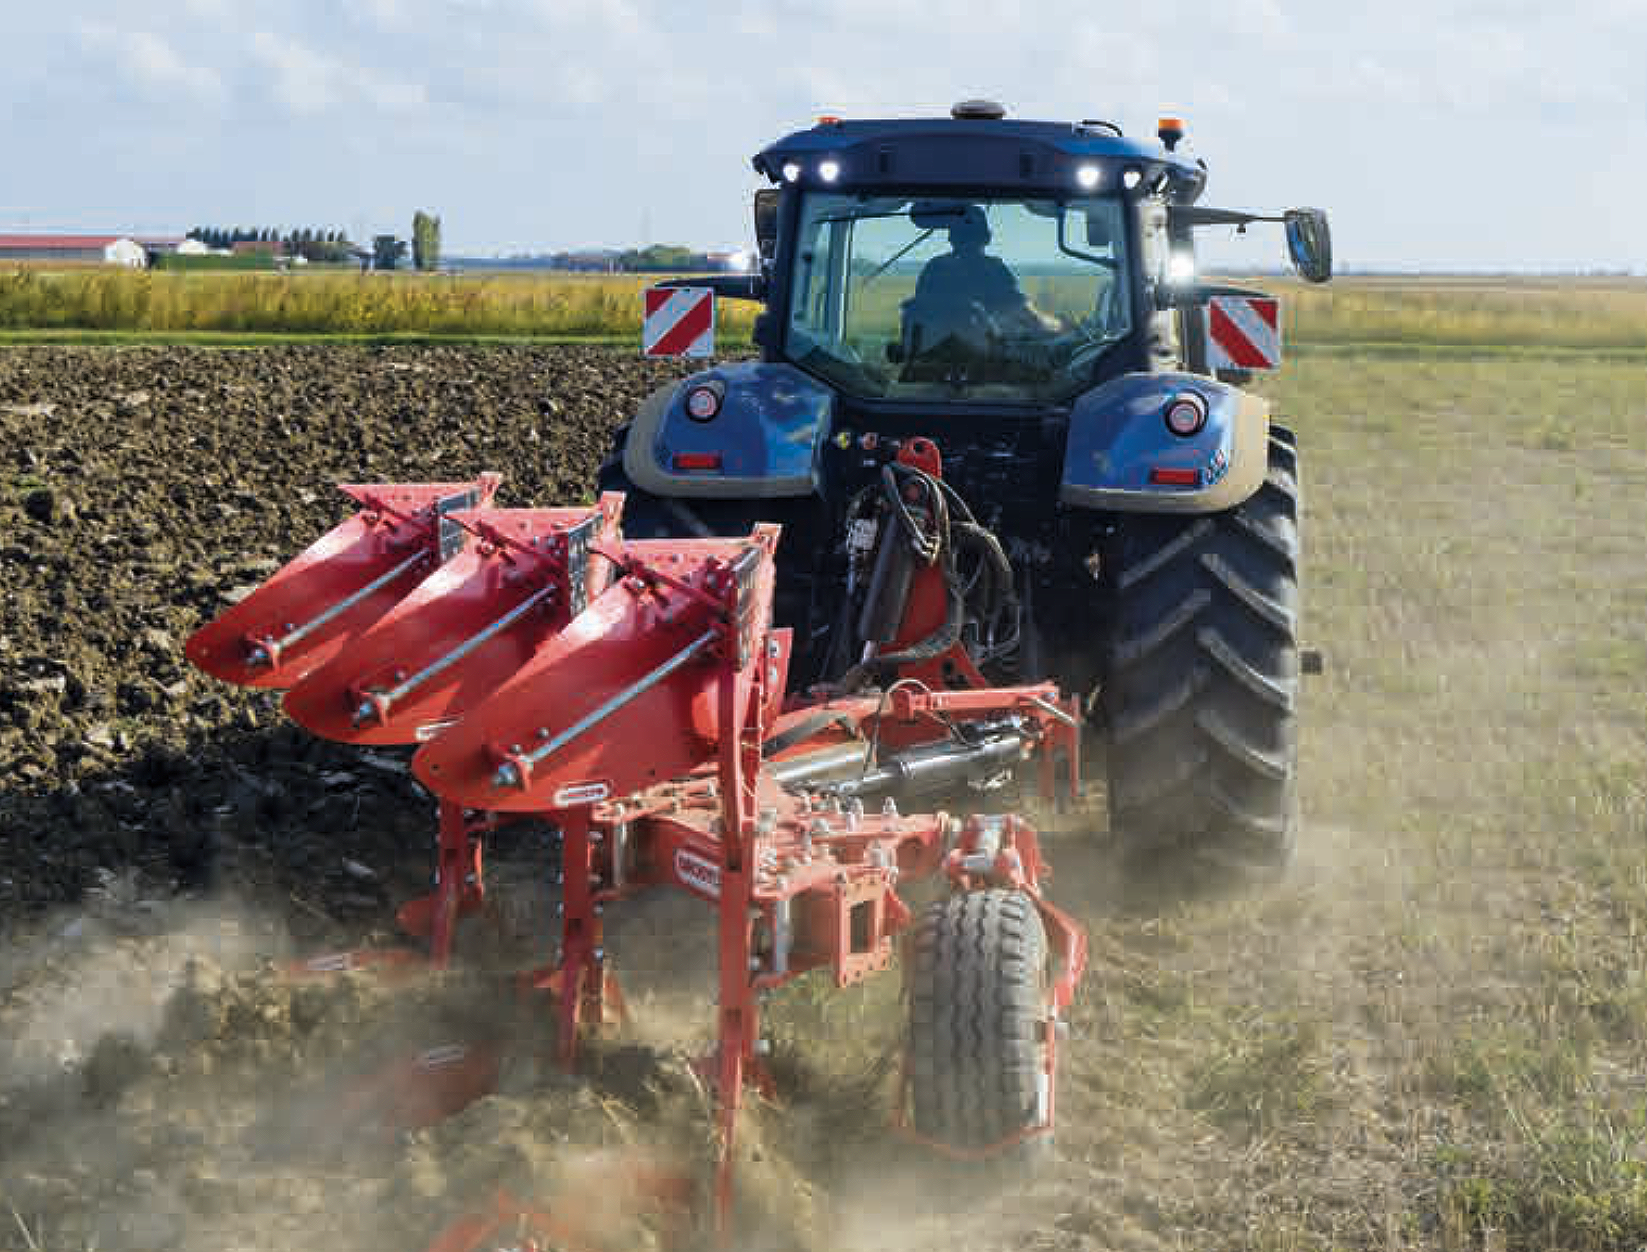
1200	686
977	986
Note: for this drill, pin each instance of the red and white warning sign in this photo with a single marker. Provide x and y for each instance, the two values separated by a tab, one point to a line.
1243	333
680	321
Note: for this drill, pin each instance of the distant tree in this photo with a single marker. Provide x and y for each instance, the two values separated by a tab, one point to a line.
661	258
425	240
387	252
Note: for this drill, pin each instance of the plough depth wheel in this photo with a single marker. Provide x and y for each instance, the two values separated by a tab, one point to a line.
979	1030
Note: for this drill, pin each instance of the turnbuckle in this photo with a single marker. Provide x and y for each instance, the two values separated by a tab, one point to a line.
511	774
377	705
267	651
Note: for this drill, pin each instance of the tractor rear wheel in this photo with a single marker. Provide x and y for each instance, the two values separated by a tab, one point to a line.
977	1041
1200	688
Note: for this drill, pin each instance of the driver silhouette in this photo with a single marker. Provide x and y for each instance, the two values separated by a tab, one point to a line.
968	296
968	275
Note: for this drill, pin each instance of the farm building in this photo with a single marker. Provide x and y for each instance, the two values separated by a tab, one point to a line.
130	251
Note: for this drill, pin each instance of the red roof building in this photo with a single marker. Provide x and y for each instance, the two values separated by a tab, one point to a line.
77	249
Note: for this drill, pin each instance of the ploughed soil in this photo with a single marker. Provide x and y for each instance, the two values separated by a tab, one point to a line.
169	844
140	492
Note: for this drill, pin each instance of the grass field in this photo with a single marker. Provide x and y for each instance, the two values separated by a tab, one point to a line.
1434	1033
1600	315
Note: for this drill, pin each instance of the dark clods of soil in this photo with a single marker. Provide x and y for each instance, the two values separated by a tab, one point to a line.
140	492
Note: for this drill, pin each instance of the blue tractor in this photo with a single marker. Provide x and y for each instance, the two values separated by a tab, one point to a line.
1113	511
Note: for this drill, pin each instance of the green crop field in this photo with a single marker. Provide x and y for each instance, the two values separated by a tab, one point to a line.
1503	314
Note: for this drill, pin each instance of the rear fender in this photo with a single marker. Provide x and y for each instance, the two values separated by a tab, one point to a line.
763	443
1118	440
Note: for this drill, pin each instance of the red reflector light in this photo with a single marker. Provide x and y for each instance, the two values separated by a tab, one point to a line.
1175	477
697	460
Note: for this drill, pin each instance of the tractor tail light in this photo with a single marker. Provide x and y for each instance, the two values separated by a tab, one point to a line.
703	403
697	461
1175	477
1186	415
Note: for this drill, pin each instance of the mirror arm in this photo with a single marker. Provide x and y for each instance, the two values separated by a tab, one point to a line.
1196	215
725	286
1168	296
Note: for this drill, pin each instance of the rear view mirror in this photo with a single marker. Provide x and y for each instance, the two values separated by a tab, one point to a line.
1310	243
1098	227
936	214
766	222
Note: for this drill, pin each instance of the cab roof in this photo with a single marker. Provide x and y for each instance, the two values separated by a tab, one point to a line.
967	152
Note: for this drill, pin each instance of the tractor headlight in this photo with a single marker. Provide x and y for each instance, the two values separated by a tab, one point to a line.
829	171
1181	266
1087	177
1186	414
791	171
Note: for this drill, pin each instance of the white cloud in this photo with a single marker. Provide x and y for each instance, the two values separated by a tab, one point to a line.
151	63
303	80
308	82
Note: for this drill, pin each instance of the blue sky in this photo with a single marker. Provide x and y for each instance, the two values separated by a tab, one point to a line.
1438	133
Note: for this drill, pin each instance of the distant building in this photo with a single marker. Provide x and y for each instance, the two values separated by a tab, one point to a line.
78	249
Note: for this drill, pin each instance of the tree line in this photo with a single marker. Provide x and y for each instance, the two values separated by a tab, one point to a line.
657	258
316	244
322	245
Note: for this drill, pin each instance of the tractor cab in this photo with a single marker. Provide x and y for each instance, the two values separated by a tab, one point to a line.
942	298
977	260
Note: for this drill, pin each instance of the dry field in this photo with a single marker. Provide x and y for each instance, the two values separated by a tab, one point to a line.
1431	1034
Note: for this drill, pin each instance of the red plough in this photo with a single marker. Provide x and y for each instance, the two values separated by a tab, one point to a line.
633	696
341	584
